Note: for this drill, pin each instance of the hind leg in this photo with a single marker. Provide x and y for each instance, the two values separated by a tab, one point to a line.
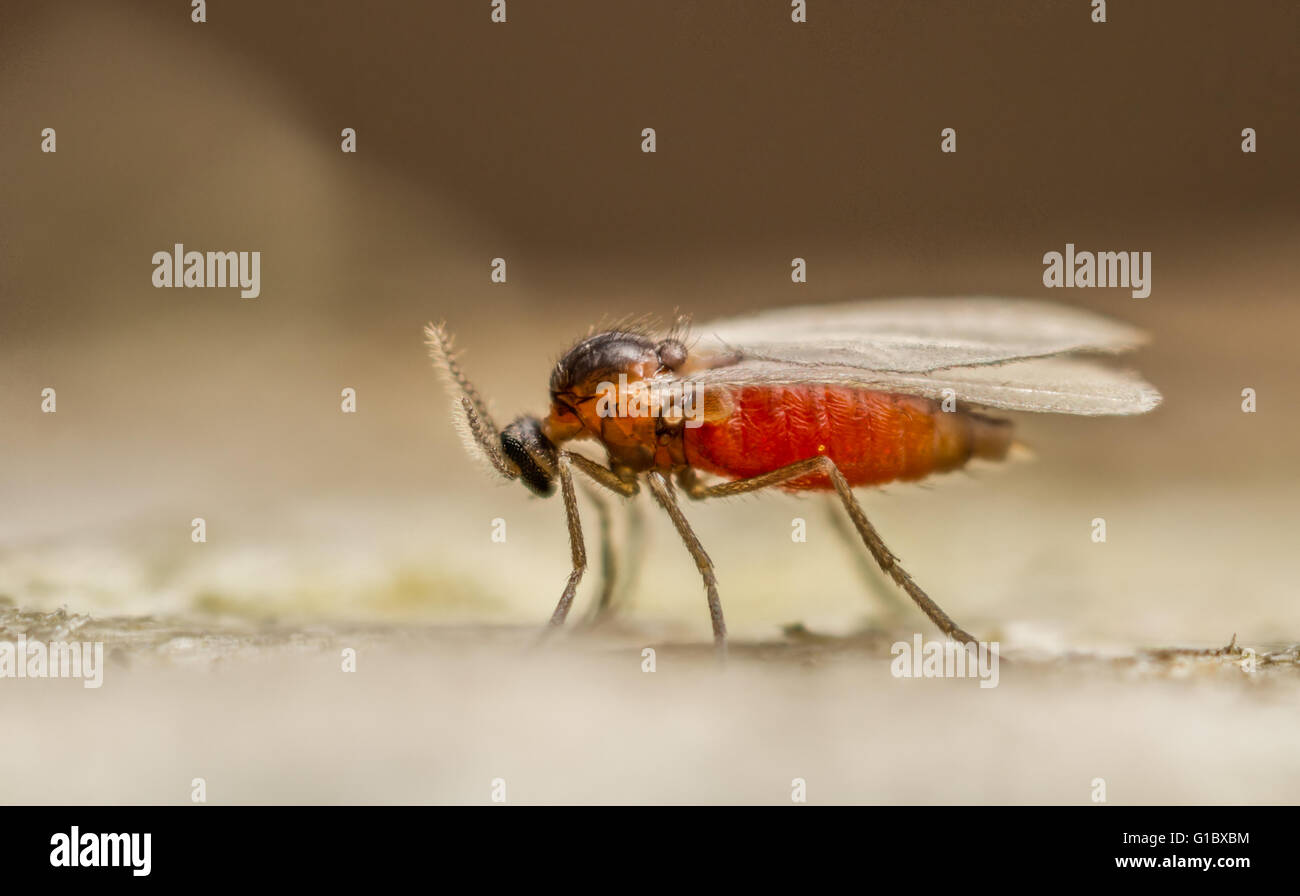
870	537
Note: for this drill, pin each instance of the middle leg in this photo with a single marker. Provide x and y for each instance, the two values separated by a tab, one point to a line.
577	550
608	555
662	489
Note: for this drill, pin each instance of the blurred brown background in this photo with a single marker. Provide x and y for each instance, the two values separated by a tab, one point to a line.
522	140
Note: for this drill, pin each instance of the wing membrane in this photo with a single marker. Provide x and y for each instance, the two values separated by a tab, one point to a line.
914	335
1043	385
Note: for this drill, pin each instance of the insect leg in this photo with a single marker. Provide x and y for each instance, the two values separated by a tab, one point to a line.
870	573
888	562
576	548
883	557
634	538
699	491
622	557
608	557
663	492
604	476
625	486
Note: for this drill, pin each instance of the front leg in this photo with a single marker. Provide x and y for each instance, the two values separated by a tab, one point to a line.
576	548
609	479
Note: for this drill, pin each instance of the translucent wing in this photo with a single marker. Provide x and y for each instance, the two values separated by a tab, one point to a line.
1045	385
913	335
997	353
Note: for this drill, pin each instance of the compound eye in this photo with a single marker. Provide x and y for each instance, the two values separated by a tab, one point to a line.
538	482
515	444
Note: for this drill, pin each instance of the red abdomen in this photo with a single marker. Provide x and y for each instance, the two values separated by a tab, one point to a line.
873	437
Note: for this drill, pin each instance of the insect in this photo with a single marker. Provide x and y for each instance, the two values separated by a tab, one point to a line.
824	398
